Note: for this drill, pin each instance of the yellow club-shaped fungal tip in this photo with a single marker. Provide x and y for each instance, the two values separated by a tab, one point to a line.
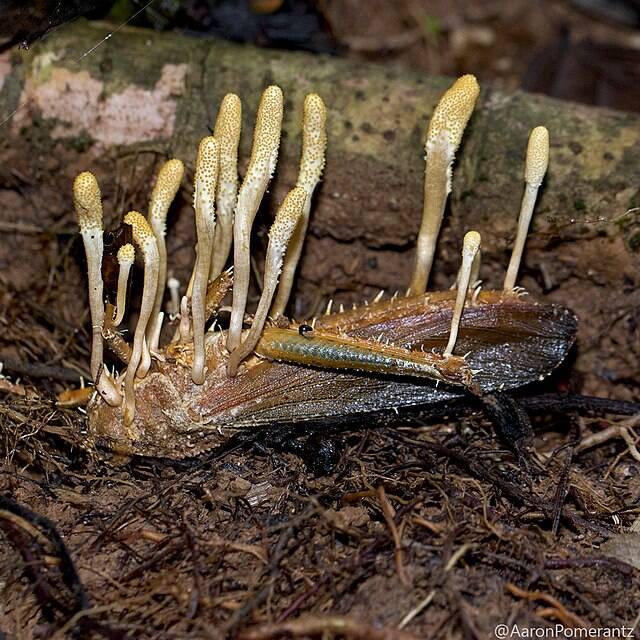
228	122
126	254
268	129
87	201
314	142
471	242
287	217
537	157
165	188
142	232
207	166
451	115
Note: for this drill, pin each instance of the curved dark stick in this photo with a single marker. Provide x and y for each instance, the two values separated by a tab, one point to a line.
47	530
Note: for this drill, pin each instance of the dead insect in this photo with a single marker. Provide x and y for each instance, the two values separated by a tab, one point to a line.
195	392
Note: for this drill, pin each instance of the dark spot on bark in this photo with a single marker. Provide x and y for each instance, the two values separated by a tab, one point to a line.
372	263
607	155
576	147
360	94
366	127
389	135
348	124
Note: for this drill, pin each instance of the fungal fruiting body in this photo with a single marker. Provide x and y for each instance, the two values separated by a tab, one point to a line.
446	127
192	393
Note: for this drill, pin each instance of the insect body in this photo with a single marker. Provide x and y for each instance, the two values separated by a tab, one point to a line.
510	342
196	391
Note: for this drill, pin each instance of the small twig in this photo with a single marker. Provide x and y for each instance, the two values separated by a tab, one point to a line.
557	609
322	626
614	431
416	610
562	489
389	516
38	541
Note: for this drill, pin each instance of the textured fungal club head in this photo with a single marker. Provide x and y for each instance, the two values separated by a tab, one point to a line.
287	218
142	232
87	200
126	254
451	115
227	133
266	137
206	176
470	244
314	142
165	189
537	159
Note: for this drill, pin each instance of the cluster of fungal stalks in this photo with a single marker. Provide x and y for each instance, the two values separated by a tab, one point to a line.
224	215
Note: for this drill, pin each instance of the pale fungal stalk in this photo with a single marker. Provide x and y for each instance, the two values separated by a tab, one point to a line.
470	248
536	164
227	133
280	234
144	237
173	306
264	155
87	200
145	361
154	345
446	127
474	277
312	161
184	328
204	198
126	256
164	191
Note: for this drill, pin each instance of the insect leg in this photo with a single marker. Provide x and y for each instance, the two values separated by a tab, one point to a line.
330	351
